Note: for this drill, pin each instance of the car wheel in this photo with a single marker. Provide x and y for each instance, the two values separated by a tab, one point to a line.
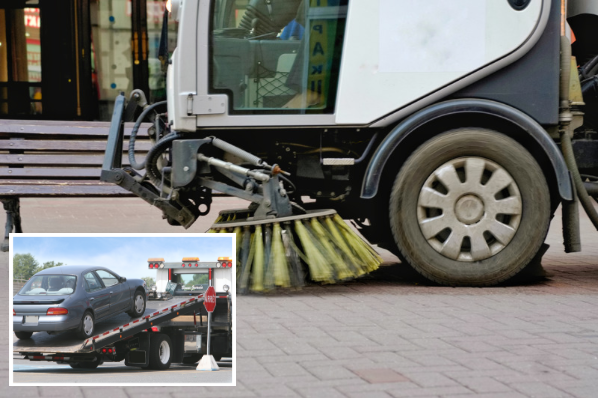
23	335
191	359
139	304
470	207
86	326
160	351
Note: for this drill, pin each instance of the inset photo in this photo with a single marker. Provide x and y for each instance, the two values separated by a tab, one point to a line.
122	309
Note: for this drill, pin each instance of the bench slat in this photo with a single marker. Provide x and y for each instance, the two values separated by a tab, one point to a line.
50	172
58	160
66	145
46	122
78	182
64	191
29	131
67	128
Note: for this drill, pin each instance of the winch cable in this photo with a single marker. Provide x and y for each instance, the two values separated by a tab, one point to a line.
134	164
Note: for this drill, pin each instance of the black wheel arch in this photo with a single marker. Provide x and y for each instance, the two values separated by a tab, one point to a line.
403	139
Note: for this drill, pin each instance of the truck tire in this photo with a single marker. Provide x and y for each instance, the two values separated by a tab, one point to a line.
23	335
470	207
86	326
160	351
139	304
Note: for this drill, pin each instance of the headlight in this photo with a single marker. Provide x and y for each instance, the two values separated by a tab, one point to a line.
226	288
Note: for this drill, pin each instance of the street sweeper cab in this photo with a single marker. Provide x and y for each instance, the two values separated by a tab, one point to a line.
447	131
190	277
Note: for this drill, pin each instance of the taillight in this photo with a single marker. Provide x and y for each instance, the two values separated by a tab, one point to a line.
153	329
104	351
183	265
14	313
110	351
57	311
196	265
229	264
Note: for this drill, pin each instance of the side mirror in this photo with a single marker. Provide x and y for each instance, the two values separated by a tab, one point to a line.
122	279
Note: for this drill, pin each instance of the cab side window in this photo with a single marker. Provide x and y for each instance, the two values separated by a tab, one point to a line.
91	282
108	278
279	57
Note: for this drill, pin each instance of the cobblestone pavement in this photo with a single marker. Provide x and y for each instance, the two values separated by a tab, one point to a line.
391	334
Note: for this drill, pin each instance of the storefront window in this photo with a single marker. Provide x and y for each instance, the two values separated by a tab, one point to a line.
155	10
20	62
111	38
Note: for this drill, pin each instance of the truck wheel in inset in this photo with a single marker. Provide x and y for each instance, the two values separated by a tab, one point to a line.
23	335
86	326
469	207
139	304
160	351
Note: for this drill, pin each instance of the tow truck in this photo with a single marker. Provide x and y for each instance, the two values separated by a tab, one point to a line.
174	331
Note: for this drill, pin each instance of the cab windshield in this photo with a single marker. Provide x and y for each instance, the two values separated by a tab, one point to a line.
52	285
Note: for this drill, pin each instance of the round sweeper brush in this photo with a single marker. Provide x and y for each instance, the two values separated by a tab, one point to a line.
283	252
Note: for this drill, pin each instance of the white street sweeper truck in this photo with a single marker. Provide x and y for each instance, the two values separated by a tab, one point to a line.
448	131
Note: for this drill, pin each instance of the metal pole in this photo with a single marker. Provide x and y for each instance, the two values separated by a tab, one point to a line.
208	337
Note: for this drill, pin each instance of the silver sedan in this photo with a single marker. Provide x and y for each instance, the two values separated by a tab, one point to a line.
74	297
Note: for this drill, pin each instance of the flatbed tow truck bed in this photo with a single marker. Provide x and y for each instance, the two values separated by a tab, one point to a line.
113	329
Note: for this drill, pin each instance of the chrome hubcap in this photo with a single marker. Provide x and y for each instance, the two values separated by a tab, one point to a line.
164	352
469	209
139	304
88	325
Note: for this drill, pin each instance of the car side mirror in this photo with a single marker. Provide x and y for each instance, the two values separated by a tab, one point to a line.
122	279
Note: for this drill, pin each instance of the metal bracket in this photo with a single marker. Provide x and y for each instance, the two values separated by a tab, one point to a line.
207	104
185	153
182	216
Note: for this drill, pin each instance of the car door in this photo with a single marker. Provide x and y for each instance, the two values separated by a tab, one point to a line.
97	295
119	292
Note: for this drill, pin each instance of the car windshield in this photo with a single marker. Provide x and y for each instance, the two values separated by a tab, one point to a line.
49	285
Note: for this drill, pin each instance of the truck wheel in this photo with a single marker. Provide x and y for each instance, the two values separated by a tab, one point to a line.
470	207
139	304
86	326
160	351
191	359
23	335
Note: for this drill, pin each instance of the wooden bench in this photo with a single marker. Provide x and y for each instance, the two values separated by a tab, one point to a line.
57	159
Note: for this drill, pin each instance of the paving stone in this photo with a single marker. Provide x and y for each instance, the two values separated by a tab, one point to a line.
20	391
482	384
538	389
285	369
450	391
60	391
319	392
332	372
380	375
429	379
371	394
109	392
